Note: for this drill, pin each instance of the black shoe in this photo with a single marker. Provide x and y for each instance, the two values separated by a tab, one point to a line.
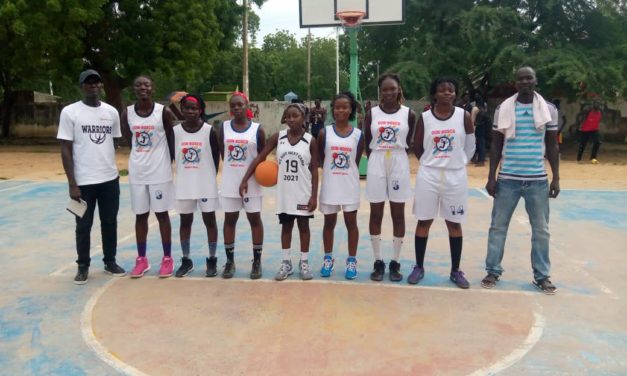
212	266
395	275
378	272
255	272
229	270
114	269
545	286
81	275
186	267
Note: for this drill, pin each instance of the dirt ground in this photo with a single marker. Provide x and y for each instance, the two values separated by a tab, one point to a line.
43	162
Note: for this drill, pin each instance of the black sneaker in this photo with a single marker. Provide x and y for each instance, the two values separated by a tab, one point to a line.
395	275
489	281
212	266
229	270
378	272
186	267
81	275
545	286
255	271
114	269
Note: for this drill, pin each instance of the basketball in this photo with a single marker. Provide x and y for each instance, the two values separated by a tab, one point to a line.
267	173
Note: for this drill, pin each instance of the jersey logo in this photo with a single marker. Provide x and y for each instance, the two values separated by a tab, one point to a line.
395	185
158	195
457	211
237	153
387	135
340	160
143	139
443	144
191	155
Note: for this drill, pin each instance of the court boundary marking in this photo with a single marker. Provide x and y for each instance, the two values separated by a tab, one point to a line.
536	329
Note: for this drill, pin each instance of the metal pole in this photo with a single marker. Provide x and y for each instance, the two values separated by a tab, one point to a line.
354	66
309	67
337	59
245	48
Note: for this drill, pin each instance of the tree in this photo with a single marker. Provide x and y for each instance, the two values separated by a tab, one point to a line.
38	39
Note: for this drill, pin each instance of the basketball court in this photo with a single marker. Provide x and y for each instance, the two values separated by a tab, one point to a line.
199	325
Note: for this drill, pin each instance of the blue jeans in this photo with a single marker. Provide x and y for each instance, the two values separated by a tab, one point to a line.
536	195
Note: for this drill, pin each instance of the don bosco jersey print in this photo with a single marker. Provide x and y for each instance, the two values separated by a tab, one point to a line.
149	161
444	140
195	167
340	173
294	180
389	131
240	149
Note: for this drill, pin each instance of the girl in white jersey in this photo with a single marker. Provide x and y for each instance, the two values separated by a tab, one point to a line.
388	128
297	191
148	129
340	148
444	143
197	160
240	142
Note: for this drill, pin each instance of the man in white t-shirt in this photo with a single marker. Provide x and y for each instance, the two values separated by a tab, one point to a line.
86	132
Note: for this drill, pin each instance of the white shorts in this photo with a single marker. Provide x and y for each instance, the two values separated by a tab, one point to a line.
206	205
388	177
441	190
333	209
235	204
157	198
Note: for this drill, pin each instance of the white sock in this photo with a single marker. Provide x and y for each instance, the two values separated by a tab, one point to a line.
287	252
397	244
328	253
376	246
304	256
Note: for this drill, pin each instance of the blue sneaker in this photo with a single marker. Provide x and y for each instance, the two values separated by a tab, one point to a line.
351	268
327	267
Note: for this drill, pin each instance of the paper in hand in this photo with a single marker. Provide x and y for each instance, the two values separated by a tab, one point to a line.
77	208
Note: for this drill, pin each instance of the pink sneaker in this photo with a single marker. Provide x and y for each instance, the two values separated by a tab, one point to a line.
141	267
167	266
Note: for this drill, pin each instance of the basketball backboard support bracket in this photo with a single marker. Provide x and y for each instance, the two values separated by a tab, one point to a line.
323	13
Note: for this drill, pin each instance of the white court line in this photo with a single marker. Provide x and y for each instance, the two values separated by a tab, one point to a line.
19	186
485	193
537	329
89	337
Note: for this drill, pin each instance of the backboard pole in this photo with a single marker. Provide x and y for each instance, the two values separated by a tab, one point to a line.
245	49
354	66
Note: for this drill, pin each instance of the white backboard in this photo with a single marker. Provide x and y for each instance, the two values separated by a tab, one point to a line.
322	13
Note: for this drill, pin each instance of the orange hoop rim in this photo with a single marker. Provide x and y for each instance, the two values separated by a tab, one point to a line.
351	18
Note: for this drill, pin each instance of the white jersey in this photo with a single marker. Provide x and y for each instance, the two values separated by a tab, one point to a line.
195	167
340	173
91	130
149	161
240	149
389	131
444	141
294	183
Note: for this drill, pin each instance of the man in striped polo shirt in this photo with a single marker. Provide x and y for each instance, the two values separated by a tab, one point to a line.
525	130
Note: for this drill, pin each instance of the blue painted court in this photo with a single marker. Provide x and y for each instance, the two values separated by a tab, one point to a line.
581	330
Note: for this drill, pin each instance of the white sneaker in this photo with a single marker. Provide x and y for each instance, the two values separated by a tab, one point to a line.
285	270
305	271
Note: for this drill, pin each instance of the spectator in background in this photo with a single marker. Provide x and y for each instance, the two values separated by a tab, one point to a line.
590	131
317	117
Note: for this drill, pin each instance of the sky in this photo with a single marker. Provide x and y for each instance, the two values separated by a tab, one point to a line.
283	15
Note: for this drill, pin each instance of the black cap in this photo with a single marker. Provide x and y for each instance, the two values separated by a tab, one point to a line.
86	74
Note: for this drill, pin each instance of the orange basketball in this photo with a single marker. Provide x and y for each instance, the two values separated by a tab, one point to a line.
267	173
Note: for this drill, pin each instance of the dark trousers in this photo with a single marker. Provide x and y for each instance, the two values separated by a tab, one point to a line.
315	129
480	142
107	195
596	143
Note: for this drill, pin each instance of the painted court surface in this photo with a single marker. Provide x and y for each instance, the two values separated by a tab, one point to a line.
202	326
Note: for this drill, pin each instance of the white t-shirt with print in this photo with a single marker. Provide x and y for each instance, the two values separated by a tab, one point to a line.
91	130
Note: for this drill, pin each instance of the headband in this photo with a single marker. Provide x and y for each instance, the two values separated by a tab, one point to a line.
192	99
299	106
240	94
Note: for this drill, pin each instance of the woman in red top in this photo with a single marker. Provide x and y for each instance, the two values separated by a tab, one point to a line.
590	130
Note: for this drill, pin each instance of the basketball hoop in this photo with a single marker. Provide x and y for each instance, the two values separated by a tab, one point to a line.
350	18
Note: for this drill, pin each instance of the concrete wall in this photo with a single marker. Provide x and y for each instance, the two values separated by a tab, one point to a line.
40	120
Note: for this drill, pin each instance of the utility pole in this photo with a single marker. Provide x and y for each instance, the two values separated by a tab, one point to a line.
337	59
309	67
245	49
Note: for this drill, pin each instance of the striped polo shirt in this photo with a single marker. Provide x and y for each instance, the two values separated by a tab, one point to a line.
523	155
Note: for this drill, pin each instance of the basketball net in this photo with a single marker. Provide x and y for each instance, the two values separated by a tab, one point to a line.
351	18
